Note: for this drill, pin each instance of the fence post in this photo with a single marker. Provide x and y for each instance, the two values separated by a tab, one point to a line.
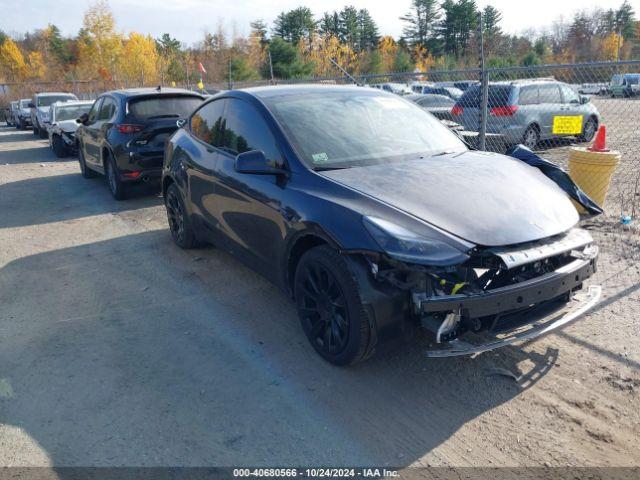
484	91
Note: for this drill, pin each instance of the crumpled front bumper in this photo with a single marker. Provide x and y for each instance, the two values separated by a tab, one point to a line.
583	302
531	293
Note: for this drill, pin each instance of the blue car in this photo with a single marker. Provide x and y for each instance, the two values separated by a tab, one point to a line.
377	219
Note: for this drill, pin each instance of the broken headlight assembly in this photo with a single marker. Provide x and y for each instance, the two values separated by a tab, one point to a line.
407	246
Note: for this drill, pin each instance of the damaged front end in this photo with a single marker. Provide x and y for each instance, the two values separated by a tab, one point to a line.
498	296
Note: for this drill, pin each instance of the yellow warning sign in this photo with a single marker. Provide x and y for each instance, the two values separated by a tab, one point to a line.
567	125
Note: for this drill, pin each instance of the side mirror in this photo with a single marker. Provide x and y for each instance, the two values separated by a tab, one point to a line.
256	162
584	99
31	105
83	119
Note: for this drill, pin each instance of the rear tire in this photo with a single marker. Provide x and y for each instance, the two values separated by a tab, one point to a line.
43	132
59	147
36	129
180	225
117	188
531	137
330	308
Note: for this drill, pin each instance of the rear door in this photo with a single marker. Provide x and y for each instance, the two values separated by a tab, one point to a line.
201	162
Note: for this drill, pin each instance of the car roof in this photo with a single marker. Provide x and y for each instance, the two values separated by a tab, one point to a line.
140	92
74	102
50	94
278	90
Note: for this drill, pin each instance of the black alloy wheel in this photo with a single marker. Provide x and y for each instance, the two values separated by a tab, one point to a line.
324	309
179	223
330	308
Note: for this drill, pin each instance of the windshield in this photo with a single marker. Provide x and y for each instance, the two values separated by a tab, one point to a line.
633	80
71	112
163	107
362	127
48	100
24	103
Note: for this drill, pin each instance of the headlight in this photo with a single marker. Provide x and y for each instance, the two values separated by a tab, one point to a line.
407	246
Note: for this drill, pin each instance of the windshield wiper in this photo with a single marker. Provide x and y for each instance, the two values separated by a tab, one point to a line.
168	115
444	152
326	169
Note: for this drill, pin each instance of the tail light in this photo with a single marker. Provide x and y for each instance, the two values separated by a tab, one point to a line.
506	111
457	110
129	128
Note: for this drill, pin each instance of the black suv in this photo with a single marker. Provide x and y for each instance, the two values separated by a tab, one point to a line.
123	135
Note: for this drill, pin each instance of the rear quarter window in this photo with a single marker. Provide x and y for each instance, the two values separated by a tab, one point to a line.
498	96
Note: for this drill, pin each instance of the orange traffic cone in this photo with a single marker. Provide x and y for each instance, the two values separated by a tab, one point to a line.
600	142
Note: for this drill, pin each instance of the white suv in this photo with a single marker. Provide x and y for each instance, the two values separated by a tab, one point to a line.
41	111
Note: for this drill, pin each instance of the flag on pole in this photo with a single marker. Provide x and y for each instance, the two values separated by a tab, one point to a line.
201	68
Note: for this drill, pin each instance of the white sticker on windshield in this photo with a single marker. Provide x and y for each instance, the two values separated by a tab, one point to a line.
390	102
320	157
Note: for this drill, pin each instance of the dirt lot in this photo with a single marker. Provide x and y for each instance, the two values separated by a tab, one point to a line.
117	348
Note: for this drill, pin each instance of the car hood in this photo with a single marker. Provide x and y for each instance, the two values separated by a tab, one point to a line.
69	126
485	198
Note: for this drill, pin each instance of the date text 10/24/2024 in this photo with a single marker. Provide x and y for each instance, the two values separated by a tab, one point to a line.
315	472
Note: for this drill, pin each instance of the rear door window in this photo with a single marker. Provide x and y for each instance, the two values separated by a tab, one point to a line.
550	93
529	95
206	123
246	130
165	106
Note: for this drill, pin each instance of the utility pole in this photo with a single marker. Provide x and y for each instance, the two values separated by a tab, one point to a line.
484	88
271	69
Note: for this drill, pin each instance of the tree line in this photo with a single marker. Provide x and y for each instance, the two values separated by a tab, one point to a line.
437	34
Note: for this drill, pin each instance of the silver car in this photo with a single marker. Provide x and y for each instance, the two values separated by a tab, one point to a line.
23	114
41	111
528	111
64	116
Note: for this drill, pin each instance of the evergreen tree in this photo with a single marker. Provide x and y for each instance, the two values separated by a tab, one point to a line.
368	36
421	24
294	25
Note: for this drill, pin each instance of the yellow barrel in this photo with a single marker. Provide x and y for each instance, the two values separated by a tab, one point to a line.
592	172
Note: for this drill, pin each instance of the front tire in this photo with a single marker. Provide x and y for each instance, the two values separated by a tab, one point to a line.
116	186
330	308
589	131
84	170
36	129
531	137
59	147
180	225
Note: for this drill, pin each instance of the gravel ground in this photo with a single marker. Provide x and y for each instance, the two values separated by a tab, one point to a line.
117	348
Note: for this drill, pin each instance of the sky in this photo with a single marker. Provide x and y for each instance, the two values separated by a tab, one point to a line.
188	20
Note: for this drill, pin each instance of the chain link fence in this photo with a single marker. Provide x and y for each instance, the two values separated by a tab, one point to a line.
552	109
